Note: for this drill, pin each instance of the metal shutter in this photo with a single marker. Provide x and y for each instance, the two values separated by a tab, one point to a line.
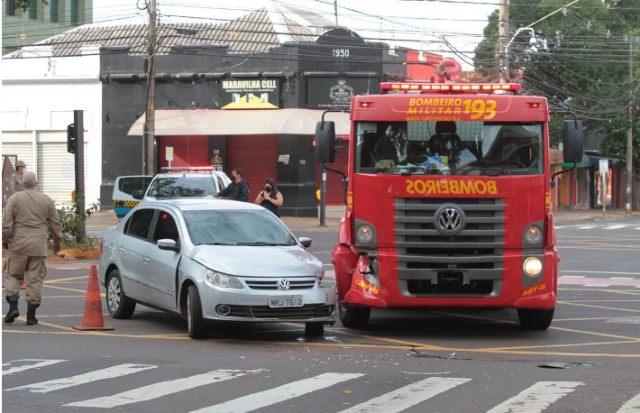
335	190
56	171
257	156
23	150
187	150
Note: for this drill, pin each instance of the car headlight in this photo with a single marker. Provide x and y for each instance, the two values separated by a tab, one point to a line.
218	279
533	234
532	266
364	233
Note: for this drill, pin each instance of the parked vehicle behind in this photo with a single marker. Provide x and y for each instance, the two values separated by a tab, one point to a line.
213	261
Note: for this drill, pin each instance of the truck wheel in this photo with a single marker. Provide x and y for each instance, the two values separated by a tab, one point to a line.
313	329
355	318
535	319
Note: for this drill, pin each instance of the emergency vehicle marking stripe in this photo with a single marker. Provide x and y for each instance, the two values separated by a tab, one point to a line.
108	373
164	388
537	397
265	398
632	406
407	396
18	369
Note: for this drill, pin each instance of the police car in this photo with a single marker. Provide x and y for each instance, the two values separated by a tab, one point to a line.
172	183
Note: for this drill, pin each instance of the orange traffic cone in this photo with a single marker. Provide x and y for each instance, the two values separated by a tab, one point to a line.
93	305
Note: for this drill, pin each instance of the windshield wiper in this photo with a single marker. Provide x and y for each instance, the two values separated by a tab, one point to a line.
216	243
261	244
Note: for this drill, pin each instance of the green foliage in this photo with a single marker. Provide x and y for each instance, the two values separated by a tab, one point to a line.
24	4
72	221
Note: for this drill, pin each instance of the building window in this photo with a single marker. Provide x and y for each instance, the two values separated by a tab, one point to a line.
74	11
53	8
11	8
33	10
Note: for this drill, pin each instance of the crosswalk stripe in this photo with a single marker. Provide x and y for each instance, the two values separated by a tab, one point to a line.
18	369
615	227
164	388
108	373
537	397
408	396
632	406
265	398
587	227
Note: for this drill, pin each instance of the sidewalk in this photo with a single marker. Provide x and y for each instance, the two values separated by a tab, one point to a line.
100	221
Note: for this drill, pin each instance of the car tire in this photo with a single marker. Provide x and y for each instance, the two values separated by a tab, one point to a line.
197	327
351	317
314	329
535	319
119	305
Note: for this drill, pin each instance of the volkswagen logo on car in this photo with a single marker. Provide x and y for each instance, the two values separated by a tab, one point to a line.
283	284
449	220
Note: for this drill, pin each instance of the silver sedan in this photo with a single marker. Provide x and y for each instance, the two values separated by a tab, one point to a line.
213	260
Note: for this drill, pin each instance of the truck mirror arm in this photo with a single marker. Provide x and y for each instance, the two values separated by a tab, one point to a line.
553	182
345	179
331	110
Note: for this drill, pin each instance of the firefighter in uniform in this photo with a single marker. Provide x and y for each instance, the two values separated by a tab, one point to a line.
15	179
24	234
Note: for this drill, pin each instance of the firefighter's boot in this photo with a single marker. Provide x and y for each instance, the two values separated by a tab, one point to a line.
31	314
13	312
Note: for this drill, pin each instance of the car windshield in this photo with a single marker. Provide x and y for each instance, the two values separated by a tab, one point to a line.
449	148
234	227
181	187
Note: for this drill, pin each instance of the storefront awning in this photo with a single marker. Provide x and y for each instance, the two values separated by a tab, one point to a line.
241	122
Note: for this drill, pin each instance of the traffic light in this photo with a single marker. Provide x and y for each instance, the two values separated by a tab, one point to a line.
71	138
325	150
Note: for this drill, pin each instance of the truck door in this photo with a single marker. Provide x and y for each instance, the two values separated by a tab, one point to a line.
123	201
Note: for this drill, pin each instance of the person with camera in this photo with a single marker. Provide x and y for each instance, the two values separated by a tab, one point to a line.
270	198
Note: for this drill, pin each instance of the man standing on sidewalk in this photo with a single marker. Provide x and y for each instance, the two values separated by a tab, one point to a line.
24	234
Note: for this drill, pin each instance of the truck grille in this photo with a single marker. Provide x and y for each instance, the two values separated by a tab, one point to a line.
272	283
467	264
297	313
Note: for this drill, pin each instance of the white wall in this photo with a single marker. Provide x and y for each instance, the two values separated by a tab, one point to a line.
39	95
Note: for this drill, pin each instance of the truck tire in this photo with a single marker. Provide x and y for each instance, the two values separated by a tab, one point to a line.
534	319
355	318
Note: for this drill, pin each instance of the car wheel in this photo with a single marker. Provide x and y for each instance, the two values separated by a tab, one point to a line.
355	318
118	304
531	319
197	327
314	329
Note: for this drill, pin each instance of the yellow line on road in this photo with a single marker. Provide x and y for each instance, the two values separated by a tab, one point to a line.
391	340
598	306
67	279
600	343
97	333
68	315
626	292
69	289
570	330
64	296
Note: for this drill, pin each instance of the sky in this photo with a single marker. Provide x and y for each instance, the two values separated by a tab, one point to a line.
417	24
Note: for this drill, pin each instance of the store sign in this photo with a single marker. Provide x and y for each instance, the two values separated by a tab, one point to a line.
337	92
604	166
250	94
169	153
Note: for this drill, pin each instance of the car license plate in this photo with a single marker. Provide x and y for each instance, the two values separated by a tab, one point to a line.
280	301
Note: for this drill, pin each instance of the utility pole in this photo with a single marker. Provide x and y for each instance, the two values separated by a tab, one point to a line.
149	138
335	9
503	33
630	131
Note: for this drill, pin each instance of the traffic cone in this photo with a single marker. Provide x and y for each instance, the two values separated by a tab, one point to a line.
93	305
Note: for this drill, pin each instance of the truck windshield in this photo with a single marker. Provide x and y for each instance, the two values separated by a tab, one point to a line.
449	148
181	187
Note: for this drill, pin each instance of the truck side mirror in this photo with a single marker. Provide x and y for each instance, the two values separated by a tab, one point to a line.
572	141
325	150
137	194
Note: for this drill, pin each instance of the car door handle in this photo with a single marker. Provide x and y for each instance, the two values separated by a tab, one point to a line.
146	259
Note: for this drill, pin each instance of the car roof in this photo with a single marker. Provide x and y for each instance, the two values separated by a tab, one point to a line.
190	174
199	204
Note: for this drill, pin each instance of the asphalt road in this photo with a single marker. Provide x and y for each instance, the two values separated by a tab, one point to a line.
409	360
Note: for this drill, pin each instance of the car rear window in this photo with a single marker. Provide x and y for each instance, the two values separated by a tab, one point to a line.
128	185
236	227
182	187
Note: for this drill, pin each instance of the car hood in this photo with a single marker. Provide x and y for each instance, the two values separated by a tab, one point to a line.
265	261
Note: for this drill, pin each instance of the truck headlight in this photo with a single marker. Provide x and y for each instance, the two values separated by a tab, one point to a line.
533	234
532	266
364	233
220	280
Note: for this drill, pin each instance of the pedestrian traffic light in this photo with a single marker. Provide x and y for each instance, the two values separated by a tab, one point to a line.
325	150
71	138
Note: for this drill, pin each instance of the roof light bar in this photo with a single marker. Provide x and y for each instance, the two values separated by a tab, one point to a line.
458	87
187	168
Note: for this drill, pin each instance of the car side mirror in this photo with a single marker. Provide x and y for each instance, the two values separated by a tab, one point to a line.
168	244
306	242
137	194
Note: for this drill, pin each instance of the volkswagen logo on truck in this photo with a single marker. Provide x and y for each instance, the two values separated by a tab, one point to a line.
449	220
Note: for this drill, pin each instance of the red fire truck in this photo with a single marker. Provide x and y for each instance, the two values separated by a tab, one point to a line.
448	200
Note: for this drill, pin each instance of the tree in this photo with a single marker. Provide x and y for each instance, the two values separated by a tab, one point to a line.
24	4
579	60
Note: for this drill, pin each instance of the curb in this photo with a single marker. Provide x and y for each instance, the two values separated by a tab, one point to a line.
78	254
